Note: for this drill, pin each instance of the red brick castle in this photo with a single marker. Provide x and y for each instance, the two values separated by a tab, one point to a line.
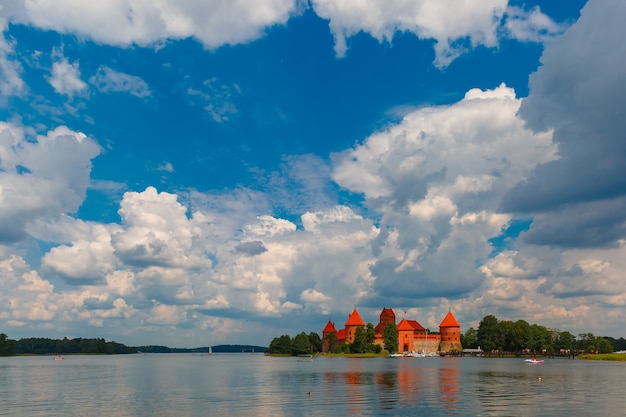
412	336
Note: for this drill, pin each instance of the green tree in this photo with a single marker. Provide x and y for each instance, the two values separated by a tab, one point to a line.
300	344
390	337
280	345
370	334
565	340
469	339
490	336
316	342
359	345
7	346
604	346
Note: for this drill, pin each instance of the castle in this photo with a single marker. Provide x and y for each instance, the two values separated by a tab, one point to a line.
412	336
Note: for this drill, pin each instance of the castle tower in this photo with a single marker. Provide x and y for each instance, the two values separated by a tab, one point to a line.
386	316
354	321
405	336
327	340
450	332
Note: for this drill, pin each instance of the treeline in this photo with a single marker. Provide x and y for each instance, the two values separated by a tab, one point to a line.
215	349
520	336
44	346
312	343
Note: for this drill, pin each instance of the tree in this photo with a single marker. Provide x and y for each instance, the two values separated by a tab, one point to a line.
300	344
390	337
7	346
316	342
565	341
604	346
359	344
280	345
490	336
370	334
470	338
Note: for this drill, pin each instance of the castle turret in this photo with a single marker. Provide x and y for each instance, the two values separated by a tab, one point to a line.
354	321
450	332
405	336
386	316
329	337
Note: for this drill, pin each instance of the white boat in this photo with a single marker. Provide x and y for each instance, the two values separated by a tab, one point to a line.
305	358
533	361
210	350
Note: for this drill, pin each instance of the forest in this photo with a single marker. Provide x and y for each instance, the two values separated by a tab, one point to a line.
65	346
495	335
44	346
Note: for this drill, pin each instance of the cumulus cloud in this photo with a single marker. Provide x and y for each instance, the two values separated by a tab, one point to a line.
435	177
454	26
42	177
65	76
145	22
579	92
107	80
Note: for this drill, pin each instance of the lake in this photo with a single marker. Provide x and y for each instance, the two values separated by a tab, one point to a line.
256	385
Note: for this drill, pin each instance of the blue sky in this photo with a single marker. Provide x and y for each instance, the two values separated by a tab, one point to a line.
186	173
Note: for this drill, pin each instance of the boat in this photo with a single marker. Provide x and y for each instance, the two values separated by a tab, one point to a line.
305	358
533	361
210	350
59	358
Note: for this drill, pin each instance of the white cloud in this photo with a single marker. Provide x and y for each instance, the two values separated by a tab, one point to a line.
146	22
65	76
42	177
531	26
11	82
455	26
107	80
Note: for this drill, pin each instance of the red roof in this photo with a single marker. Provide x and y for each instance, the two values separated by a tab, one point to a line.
405	325
330	328
416	326
387	312
341	335
354	319
449	321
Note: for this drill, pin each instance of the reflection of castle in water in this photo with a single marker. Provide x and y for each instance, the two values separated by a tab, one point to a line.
412	336
401	387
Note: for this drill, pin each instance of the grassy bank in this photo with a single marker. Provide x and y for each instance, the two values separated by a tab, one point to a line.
604	357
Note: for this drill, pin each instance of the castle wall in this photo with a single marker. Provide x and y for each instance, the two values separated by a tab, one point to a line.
427	344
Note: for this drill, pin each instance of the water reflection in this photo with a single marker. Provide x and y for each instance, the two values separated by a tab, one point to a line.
177	385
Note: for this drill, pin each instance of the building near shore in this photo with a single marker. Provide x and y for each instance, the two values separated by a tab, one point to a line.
412	336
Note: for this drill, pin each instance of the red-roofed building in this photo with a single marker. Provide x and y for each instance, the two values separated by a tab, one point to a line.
405	336
412	336
450	332
329	337
386	316
354	321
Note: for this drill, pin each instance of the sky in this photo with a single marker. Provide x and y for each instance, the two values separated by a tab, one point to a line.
187	173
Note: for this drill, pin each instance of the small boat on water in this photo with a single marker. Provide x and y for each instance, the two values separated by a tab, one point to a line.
533	361
59	358
305	358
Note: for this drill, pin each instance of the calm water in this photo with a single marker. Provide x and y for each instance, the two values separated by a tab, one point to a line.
255	385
